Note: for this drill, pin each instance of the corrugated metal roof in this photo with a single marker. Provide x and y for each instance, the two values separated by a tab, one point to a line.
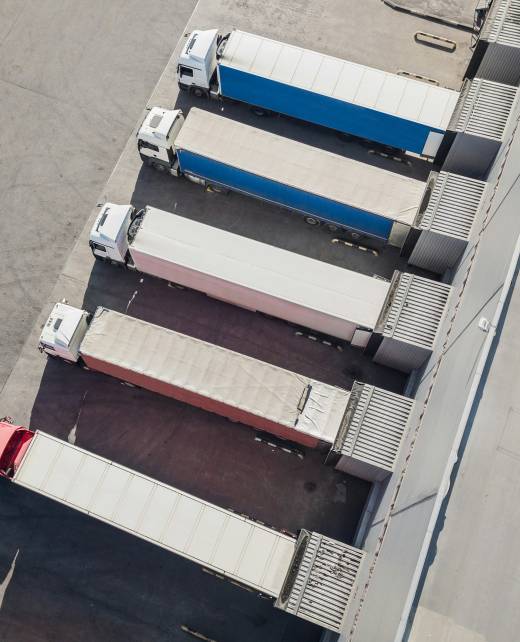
228	543
357	84
321	580
413	310
452	206
373	427
502	24
213	372
301	166
483	109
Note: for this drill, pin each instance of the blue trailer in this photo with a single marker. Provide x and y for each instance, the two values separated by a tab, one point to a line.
369	103
211	149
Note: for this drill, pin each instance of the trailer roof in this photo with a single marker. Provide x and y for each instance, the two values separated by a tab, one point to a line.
291	277
406	98
213	372
218	539
301	166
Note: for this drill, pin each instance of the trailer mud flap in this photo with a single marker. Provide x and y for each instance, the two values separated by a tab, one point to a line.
361	338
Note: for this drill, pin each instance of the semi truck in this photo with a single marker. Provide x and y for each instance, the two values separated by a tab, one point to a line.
396	322
266	397
323	187
391	109
311	576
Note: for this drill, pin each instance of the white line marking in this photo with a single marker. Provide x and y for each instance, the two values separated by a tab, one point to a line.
8	578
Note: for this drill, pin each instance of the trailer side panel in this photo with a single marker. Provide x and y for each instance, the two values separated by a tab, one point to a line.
225	542
349	97
304	178
304	202
257	276
324	110
227	383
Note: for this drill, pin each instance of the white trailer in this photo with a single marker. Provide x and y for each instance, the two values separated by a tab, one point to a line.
230	545
328	299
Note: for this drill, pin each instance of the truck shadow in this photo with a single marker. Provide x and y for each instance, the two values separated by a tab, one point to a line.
358	149
58	561
199	452
267	223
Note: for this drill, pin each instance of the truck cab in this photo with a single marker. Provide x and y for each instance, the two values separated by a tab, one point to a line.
63	332
14	441
156	136
108	236
198	61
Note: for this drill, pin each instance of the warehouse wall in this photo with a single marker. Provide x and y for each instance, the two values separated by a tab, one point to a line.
397	530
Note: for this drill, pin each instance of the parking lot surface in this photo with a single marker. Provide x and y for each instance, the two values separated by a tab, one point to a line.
68	577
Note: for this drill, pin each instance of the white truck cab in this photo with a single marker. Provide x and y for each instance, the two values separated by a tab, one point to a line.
198	61
156	136
108	236
63	332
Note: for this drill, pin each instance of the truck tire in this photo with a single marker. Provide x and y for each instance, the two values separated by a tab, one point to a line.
261	112
198	92
159	167
218	189
311	220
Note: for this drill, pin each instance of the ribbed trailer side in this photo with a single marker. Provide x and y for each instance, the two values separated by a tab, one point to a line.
257	276
351	98
306	179
409	322
227	383
477	127
227	543
444	228
496	56
368	442
321	581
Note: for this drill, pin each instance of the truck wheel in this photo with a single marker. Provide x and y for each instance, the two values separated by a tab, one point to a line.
331	227
261	112
218	189
198	92
310	220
